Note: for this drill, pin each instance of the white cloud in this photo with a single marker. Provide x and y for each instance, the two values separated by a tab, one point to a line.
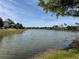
6	11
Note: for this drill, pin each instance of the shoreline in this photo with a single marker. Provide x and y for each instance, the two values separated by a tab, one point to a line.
65	30
68	53
55	54
6	32
56	30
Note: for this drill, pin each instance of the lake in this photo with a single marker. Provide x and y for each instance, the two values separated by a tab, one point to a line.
30	42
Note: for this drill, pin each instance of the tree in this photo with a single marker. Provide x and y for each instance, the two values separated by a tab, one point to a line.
65	24
71	27
1	23
56	27
61	7
18	26
8	23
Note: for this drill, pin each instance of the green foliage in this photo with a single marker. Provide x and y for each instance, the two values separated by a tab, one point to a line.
60	54
71	27
18	26
1	22
8	23
60	7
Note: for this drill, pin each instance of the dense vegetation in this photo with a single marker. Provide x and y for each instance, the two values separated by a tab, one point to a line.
8	23
61	7
67	27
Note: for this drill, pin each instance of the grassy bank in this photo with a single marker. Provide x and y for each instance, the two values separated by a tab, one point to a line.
4	32
71	52
58	54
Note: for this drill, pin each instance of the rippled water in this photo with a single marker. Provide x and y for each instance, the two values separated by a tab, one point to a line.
23	45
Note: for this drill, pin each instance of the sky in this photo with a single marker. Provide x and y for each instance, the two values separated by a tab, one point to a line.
30	14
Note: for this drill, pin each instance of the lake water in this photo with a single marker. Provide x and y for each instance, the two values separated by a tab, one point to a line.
30	42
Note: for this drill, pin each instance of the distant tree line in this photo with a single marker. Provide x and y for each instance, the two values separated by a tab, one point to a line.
8	23
66	27
59	27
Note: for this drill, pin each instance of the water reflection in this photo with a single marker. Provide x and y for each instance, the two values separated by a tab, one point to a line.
30	42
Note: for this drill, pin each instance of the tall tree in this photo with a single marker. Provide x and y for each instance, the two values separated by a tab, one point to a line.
19	26
61	7
1	22
8	23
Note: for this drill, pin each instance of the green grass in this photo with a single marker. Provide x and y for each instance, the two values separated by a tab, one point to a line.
59	54
4	32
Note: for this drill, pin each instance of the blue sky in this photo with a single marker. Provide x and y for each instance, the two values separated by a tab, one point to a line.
30	14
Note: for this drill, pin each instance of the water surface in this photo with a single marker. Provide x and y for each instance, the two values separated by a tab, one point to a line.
30	42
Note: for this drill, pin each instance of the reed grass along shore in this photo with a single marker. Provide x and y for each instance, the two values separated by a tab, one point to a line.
4	32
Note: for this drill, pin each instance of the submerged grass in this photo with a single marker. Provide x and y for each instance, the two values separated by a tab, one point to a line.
4	32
